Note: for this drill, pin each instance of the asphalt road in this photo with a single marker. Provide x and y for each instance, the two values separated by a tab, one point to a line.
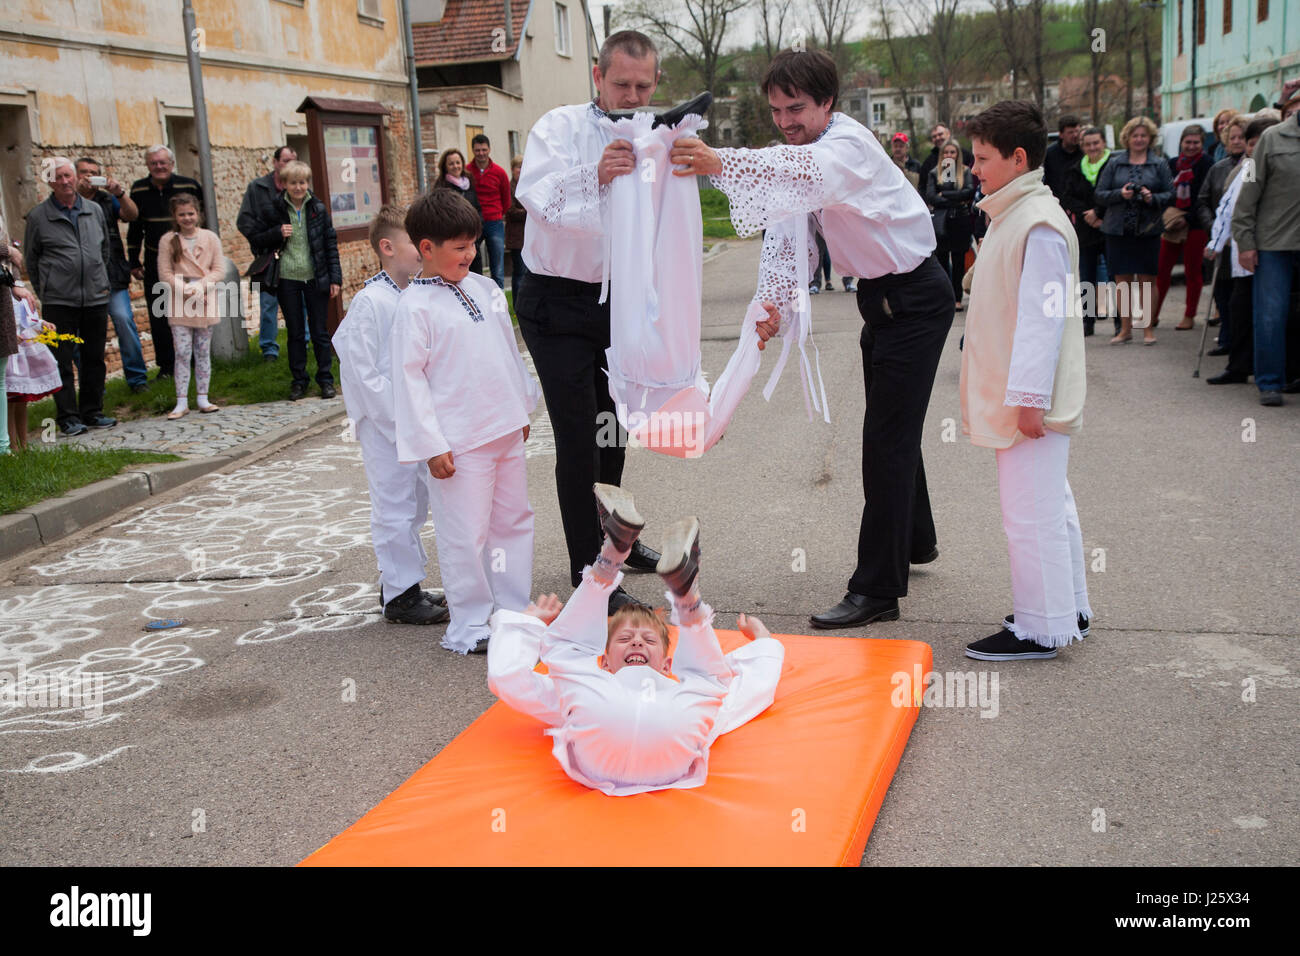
286	707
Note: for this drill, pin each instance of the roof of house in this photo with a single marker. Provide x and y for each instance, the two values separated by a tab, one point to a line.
470	31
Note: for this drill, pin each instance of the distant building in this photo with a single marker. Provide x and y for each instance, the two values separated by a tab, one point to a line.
477	76
1227	53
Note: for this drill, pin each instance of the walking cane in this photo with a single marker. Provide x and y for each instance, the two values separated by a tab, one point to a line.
1214	277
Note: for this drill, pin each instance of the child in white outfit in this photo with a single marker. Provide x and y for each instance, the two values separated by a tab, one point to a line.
1022	382
399	494
462	403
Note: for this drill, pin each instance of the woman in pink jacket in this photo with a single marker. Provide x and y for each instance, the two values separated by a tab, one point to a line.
190	264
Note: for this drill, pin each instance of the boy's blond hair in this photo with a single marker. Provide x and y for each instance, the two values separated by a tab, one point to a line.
639	614
388	220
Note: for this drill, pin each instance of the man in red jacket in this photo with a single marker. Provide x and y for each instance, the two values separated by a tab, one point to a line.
492	184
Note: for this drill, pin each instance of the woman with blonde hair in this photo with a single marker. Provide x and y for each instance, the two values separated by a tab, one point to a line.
1221	121
1133	189
949	190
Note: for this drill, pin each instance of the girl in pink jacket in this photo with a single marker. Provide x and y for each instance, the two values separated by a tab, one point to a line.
190	264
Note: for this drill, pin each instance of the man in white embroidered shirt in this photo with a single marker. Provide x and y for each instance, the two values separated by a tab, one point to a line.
569	162
876	226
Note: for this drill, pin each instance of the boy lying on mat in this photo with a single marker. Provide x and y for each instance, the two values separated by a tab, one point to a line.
631	721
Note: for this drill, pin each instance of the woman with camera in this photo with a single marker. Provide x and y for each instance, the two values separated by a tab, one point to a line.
1133	189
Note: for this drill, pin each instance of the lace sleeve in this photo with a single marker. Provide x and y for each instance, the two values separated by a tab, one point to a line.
572	199
778	271
764	185
1027	399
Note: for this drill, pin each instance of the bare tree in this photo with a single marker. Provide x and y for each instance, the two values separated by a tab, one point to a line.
771	21
902	67
1007	15
939	25
834	17
696	29
1096	50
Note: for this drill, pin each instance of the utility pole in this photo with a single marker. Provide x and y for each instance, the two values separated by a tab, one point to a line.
416	135
193	45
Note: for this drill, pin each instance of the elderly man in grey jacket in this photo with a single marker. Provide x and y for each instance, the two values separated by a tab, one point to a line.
1266	227
67	248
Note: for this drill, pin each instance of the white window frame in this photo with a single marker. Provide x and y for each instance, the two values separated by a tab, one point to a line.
374	16
563	40
879	109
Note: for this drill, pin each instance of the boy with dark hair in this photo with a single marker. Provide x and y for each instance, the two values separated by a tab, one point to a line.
399	493
1022	382
463	397
635	718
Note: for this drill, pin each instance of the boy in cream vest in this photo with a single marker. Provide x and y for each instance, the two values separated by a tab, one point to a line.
1022	381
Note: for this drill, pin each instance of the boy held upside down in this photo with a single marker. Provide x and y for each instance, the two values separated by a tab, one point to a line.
641	717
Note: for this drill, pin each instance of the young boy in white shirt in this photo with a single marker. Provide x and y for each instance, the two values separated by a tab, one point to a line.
1022	381
399	494
463	398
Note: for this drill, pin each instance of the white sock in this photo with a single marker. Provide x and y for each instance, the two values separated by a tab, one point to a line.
689	608
203	401
609	562
181	405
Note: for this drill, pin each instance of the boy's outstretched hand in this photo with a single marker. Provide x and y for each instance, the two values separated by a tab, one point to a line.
546	608
1031	422
751	627
442	466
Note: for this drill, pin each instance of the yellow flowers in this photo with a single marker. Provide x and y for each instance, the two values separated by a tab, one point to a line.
52	338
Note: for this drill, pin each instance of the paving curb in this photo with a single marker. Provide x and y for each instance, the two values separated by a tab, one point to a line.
715	250
56	518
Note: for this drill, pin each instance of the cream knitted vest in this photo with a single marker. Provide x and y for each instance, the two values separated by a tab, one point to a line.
1013	211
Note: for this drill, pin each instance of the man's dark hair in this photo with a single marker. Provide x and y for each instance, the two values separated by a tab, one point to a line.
1091	131
279	151
1256	128
811	72
1011	124
442	214
636	45
1066	121
88	159
480	138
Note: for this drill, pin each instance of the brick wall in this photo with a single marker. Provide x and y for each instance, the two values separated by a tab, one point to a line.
232	170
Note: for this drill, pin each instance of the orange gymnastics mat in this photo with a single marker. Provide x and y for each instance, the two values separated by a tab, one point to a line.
800	785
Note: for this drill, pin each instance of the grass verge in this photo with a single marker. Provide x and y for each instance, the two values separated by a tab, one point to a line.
40	472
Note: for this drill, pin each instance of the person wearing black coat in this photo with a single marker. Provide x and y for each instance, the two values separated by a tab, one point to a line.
1207	208
939	136
452	175
259	223
1078	201
949	189
310	275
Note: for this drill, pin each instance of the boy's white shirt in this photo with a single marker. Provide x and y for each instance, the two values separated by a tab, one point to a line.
458	378
365	358
1037	347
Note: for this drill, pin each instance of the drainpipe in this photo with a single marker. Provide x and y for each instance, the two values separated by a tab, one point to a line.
416	135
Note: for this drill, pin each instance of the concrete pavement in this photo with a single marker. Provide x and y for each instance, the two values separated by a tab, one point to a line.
286	708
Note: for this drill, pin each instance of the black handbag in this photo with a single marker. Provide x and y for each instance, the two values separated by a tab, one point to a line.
939	219
265	270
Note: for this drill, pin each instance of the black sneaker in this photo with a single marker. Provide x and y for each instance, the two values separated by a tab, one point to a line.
680	564
296	392
1005	646
1084	624
327	391
268	357
435	597
100	421
72	427
409	607
139	388
1272	399
618	515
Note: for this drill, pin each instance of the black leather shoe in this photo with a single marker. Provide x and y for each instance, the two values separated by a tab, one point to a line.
1227	378
641	559
855	610
409	607
931	555
327	391
619	599
1219	350
99	421
296	392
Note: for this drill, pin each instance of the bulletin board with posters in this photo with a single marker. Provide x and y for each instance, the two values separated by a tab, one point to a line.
348	160
348	165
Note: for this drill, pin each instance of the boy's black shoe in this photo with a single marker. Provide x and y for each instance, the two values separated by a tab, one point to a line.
680	564
437	597
327	391
296	392
1084	624
856	610
409	607
618	516
1005	646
